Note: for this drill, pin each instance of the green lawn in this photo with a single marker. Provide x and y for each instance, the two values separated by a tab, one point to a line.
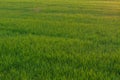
59	40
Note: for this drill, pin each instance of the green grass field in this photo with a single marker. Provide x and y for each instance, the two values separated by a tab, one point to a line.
59	40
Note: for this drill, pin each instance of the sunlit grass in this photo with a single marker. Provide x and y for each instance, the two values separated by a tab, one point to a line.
59	40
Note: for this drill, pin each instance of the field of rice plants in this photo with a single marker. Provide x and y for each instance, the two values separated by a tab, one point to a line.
59	40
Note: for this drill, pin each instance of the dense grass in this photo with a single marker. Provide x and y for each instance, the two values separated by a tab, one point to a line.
59	40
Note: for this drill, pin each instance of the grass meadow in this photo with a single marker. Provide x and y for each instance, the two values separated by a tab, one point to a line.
59	40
